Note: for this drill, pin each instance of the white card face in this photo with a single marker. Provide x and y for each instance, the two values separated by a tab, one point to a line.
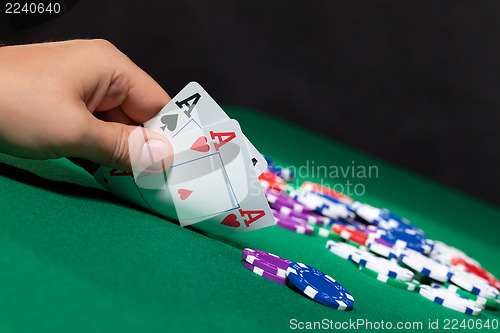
193	184
231	198
194	107
215	174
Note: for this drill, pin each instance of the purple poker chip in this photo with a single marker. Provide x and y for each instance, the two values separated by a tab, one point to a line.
383	242
310	217
273	196
293	224
263	273
306	215
284	200
295	207
267	261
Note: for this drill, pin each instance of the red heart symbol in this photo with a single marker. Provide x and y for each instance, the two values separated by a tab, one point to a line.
184	193
201	145
231	221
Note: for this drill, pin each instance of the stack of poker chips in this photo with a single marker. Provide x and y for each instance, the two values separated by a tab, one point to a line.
310	281
382	245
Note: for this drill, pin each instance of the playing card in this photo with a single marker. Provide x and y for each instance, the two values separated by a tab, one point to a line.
212	178
122	184
221	188
179	116
193	108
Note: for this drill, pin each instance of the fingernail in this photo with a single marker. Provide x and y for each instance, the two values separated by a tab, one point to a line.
153	153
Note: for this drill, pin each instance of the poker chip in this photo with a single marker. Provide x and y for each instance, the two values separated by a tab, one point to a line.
267	261
390	220
382	250
343	250
449	299
350	233
489	302
263	273
323	232
306	216
406	285
275	197
382	266
290	207
366	212
472	283
407	239
279	197
425	265
270	181
444	253
292	224
476	270
380	241
358	225
323	206
319	286
374	233
324	190
269	160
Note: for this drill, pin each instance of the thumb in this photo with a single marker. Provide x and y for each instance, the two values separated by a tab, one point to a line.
127	147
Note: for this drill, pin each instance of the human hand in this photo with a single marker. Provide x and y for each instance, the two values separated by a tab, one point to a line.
80	98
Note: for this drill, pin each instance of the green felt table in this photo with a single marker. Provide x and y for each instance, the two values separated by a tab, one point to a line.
73	258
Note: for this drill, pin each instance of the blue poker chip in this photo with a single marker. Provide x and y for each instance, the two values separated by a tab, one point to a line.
319	286
408	239
388	219
268	160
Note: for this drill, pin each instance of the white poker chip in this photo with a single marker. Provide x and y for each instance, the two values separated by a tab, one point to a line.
390	224
472	283
271	198
425	265
382	250
323	232
444	253
342	250
383	266
323	205
449	299
366	212
480	301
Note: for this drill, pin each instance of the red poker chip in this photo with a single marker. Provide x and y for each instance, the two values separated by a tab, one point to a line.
271	181
350	233
476	270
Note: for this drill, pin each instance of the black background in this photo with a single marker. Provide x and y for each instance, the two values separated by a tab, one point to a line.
414	83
